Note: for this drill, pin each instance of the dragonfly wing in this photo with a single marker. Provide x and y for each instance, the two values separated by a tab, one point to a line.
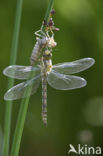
21	90
65	82
20	72
74	67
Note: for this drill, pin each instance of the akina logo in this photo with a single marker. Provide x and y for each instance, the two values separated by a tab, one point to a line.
85	149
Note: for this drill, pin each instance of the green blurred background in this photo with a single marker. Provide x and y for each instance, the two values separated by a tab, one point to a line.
73	116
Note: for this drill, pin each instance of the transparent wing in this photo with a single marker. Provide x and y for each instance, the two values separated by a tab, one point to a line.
21	90
74	67
65	82
20	72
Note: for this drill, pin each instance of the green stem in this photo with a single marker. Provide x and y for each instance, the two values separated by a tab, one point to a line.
47	14
8	109
24	106
50	6
20	124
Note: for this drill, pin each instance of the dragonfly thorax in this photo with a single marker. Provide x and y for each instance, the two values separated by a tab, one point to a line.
46	61
47	55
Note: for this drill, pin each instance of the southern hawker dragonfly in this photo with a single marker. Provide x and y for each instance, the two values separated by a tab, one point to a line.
57	77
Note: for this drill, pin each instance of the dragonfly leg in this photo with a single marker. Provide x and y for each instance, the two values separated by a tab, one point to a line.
40	33
37	33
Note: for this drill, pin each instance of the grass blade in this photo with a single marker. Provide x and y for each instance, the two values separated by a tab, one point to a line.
8	109
20	124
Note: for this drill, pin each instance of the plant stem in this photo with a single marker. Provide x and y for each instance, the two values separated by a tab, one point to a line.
50	6
8	109
24	106
20	124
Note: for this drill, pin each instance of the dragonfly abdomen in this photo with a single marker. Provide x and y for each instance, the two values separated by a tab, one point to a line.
44	98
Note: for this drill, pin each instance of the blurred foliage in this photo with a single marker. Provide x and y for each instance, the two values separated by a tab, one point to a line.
80	35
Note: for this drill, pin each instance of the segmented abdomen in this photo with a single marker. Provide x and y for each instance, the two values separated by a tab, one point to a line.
44	97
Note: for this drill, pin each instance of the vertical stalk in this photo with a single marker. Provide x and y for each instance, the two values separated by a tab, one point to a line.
8	106
24	106
50	6
20	124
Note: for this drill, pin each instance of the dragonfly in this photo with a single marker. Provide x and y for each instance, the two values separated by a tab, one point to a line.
58	76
